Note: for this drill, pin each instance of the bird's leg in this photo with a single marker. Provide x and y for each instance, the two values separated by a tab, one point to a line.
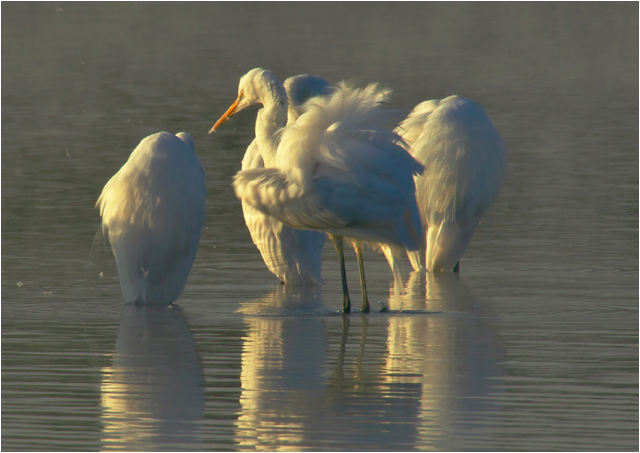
456	268
365	300
338	243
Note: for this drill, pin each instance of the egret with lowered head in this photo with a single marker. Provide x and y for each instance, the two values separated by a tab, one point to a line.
153	211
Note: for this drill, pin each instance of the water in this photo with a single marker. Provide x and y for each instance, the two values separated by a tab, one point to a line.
534	347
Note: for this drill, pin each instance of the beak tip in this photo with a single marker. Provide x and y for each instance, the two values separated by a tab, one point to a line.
228	114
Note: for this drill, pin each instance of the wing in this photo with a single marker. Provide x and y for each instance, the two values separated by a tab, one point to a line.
271	191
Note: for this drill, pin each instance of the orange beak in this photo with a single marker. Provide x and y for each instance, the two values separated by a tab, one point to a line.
228	114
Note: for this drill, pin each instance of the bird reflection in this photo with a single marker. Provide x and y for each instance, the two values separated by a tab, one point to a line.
454	355
282	358
153	394
362	407
415	377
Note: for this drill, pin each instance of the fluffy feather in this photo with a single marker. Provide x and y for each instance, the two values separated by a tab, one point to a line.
339	170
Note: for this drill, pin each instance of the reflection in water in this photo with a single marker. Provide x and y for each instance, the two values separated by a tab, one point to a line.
407	379
153	394
364	408
560	257
282	358
453	355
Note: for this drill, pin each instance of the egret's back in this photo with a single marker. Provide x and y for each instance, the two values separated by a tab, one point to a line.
465	166
153	210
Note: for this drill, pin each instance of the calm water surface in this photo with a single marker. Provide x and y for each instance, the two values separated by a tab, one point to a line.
533	347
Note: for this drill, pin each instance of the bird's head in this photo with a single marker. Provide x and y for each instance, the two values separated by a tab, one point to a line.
300	89
257	86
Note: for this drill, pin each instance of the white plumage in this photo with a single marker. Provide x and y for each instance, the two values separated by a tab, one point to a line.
465	166
300	89
153	210
339	169
294	256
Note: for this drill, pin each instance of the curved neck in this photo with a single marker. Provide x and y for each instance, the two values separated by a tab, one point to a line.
271	118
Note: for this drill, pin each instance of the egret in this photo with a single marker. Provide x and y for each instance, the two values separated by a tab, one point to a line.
337	169
153	211
294	256
300	89
465	166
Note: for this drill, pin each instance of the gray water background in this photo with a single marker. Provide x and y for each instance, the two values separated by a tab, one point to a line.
534	347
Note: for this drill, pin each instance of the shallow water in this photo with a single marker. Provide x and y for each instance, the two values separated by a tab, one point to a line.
533	347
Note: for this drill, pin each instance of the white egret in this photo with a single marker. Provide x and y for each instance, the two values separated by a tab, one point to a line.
300	89
339	170
153	211
294	256
465	166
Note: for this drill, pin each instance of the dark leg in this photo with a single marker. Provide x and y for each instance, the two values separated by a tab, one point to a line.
456	268
363	284
338	243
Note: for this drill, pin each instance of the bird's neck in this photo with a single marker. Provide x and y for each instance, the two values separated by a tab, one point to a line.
271	118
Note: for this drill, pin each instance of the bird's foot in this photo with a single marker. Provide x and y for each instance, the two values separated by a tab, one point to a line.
384	308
